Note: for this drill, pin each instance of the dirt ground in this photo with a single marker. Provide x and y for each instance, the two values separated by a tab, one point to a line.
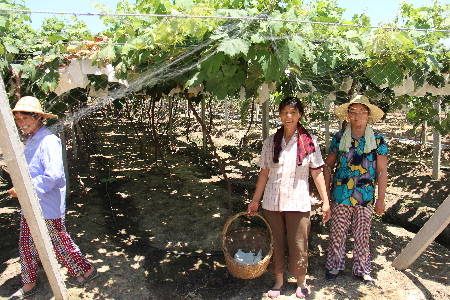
152	227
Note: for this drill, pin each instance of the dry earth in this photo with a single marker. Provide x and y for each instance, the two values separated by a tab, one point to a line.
131	216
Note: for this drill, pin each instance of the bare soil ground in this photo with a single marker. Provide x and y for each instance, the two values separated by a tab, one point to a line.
131	215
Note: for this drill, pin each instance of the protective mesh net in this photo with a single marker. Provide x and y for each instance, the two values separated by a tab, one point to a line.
152	86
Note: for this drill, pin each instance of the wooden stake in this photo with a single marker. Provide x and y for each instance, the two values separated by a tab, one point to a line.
18	169
432	228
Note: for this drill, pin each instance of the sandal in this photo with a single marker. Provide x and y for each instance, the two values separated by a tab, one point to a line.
24	294
74	281
302	293
274	293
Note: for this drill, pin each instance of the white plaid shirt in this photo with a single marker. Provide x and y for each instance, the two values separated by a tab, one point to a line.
287	188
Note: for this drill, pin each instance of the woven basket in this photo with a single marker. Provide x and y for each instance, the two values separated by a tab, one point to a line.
249	239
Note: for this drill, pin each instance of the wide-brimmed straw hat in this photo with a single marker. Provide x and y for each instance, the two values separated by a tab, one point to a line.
375	112
32	104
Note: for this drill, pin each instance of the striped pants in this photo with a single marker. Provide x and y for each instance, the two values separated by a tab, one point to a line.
65	249
341	217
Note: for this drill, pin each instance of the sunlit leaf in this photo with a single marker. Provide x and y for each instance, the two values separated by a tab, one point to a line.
11	48
270	65
233	47
55	38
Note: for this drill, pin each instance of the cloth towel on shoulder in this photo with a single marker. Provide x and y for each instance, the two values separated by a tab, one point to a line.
305	144
369	135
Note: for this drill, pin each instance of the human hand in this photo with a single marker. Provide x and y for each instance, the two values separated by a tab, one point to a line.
379	207
12	192
326	212
253	206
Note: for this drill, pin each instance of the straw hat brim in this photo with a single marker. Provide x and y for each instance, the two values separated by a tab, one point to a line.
31	104
24	108
376	113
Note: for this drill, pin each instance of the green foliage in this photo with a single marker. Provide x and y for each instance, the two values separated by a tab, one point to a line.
388	73
305	56
423	109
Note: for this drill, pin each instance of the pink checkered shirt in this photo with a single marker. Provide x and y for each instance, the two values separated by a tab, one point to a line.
287	188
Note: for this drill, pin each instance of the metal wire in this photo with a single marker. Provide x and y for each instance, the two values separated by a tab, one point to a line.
261	17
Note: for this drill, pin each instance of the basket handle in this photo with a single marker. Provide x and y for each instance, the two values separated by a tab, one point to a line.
231	219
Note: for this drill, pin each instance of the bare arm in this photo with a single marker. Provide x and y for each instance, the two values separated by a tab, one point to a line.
382	177
12	192
319	180
330	160
260	186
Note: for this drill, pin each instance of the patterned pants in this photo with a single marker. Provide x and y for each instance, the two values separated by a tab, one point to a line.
341	217
65	249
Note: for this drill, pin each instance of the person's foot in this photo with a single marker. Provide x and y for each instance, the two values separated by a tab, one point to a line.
367	279
275	291
24	292
332	274
85	278
302	288
302	292
278	287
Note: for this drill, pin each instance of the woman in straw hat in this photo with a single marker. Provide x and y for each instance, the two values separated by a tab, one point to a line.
43	154
360	156
287	159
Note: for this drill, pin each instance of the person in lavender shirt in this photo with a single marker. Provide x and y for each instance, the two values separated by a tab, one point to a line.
43	153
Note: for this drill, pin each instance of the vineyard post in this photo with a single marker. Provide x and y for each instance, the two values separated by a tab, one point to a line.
432	228
265	119
436	142
20	175
257	109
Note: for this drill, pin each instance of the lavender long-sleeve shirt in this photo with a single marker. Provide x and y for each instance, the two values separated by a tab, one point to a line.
43	153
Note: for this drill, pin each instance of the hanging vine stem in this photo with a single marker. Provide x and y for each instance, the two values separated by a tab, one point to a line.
213	147
128	115
17	77
158	149
243	142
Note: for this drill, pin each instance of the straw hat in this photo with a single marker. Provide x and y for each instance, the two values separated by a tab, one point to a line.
375	112
32	104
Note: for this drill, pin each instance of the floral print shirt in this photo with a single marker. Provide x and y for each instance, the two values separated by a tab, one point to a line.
355	173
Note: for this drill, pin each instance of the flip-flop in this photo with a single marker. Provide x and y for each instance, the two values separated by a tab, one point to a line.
302	293
274	293
24	294
74	281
